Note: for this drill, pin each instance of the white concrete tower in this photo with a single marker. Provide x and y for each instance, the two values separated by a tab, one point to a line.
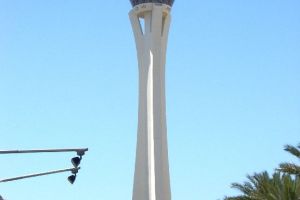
150	21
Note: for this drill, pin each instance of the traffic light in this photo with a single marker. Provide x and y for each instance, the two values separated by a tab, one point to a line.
72	178
76	161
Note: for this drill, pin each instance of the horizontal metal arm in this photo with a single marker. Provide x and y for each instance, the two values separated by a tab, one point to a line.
73	170
80	151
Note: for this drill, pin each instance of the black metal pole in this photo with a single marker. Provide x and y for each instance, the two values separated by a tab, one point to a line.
80	151
73	170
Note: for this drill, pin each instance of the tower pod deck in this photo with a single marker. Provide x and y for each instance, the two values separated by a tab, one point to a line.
136	2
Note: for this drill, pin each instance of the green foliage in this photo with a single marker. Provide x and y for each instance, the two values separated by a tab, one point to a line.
284	184
261	186
291	168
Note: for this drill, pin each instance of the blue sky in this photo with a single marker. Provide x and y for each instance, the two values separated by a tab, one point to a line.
68	78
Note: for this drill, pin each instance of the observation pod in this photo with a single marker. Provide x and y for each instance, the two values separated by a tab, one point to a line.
167	2
150	20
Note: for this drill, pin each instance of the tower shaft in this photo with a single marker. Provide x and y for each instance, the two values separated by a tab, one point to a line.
151	177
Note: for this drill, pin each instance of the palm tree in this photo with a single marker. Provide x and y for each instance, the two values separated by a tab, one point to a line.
291	168
261	186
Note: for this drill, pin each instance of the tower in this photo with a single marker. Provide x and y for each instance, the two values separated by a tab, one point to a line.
150	21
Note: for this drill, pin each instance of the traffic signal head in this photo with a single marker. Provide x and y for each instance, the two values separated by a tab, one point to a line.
72	179
76	161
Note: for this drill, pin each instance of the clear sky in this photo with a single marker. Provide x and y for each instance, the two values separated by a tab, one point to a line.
68	78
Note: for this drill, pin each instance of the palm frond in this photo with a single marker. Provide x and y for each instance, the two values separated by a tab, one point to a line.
237	198
261	186
289	168
293	150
